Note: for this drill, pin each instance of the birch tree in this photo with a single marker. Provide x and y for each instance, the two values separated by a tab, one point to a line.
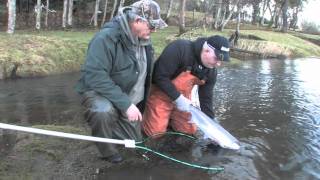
169	9
104	13
11	4
285	16
47	14
255	12
96	12
218	14
182	24
70	13
234	37
64	15
38	10
224	22
113	9
264	9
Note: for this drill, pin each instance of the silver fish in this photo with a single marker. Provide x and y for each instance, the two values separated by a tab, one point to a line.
213	130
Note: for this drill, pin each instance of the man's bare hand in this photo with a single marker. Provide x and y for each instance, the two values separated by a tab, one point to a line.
133	113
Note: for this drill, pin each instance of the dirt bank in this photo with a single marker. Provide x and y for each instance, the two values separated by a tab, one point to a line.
28	156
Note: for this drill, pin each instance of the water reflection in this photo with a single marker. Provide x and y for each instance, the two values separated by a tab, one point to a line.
48	100
279	102
271	106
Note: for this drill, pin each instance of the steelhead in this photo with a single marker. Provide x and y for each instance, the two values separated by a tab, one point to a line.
213	130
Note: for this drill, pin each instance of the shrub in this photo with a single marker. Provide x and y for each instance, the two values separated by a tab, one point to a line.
310	27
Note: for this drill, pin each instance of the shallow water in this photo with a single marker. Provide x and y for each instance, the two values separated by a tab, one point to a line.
271	106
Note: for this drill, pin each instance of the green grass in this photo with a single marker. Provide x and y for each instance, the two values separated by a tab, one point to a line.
310	36
81	36
48	52
162	37
51	52
295	46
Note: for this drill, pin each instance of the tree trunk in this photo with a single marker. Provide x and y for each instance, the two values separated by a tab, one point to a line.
96	11
294	20
264	9
285	16
113	9
203	6
255	11
218	14
237	33
70	13
169	9
104	13
38	10
47	14
11	16
182	24
224	22
239	8
273	14
64	15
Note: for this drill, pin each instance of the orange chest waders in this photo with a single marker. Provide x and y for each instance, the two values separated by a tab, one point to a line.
161	111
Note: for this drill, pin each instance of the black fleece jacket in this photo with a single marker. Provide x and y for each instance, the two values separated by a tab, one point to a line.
179	56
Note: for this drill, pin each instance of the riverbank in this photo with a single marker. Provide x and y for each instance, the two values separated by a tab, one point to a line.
30	54
30	156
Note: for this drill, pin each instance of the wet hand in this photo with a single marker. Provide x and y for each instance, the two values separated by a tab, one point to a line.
133	113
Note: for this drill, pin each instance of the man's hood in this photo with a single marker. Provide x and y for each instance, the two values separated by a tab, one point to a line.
197	46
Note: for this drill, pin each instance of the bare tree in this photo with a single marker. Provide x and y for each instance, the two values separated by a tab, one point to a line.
64	15
182	24
104	13
218	14
96	12
237	32
284	16
239	8
255	12
264	9
47	13
70	12
113	9
169	9
225	21
277	14
294	20
38	10
274	14
11	4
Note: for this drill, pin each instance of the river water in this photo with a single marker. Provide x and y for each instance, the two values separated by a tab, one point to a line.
271	106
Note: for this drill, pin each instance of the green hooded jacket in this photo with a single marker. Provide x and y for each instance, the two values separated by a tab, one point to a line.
111	67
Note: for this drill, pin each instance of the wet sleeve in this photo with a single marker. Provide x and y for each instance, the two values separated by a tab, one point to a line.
206	94
166	67
99	60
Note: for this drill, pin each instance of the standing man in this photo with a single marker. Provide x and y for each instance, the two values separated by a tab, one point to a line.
115	77
182	65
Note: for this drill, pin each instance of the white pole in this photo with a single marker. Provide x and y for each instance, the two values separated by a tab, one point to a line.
127	142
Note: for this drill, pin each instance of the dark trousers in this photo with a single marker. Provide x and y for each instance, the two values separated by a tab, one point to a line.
108	122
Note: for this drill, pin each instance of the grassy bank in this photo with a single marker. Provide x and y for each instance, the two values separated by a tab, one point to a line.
269	42
38	54
42	53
